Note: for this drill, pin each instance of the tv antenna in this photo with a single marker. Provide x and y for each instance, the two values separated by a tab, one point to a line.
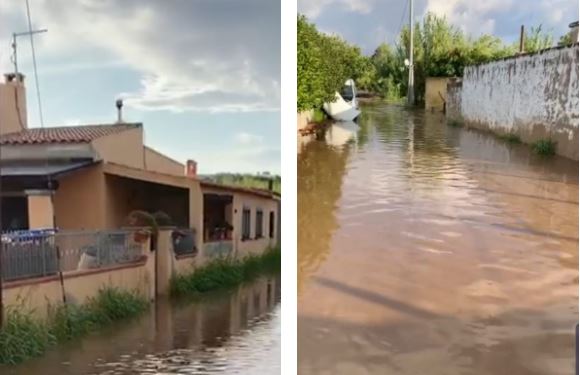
14	44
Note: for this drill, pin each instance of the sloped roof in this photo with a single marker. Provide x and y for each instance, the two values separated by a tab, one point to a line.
64	134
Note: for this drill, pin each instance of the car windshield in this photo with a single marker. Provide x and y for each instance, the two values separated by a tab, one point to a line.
347	93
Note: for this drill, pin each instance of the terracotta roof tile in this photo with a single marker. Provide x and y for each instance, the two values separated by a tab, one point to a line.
64	134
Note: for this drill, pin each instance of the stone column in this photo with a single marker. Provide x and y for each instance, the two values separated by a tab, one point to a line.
164	257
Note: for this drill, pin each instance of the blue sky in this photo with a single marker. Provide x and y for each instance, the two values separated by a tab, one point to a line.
367	23
202	76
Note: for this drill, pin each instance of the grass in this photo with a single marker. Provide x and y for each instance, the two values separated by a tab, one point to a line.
544	147
24	336
226	273
510	138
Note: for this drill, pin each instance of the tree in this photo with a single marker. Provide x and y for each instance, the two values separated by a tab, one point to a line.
324	63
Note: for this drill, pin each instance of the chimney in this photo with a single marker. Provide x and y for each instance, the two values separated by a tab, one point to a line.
13	103
119	105
191	169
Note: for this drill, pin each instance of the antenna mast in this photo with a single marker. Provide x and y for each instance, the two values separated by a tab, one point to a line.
15	46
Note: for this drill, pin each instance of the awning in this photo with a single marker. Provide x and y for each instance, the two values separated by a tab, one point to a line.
42	169
38	175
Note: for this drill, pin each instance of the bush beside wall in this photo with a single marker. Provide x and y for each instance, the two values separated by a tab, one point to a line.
226	273
24	336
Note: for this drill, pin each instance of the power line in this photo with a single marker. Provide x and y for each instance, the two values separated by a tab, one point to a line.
34	65
400	28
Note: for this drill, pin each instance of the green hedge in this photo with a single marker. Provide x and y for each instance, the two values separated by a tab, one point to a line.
226	273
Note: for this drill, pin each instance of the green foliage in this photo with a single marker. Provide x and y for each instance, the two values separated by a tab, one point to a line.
510	138
439	50
324	63
258	181
546	147
226	273
442	50
318	116
566	40
24	336
536	39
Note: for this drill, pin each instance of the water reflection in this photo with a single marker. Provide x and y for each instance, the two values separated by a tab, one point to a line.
340	133
236	332
430	249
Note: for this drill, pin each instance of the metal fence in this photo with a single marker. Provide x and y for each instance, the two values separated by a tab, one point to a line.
35	254
218	249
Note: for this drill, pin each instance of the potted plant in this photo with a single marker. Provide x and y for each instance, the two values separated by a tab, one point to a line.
146	226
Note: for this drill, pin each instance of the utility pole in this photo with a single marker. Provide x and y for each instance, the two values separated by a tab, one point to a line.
411	85
522	39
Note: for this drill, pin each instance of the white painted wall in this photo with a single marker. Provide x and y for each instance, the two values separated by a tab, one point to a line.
534	96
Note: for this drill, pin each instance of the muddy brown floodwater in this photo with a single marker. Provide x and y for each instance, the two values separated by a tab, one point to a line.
429	249
235	332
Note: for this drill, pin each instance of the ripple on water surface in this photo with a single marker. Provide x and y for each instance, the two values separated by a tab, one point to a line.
428	249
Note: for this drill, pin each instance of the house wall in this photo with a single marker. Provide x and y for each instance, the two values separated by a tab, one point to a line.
184	264
40	212
157	162
252	201
435	89
125	148
253	246
38	294
79	202
118	197
534	96
12	107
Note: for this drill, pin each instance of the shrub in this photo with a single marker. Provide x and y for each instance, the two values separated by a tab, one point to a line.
24	336
544	147
510	138
226	273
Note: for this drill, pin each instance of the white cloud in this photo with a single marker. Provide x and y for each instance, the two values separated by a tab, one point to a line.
248	139
192	56
313	8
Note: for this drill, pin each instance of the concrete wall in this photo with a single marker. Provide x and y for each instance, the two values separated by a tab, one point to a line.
534	96
304	118
125	148
12	107
157	162
453	104
38	294
435	93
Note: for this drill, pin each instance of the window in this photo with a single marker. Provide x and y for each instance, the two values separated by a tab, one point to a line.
246	219
272	222
259	223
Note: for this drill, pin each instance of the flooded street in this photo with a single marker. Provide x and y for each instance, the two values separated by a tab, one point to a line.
234	332
429	249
